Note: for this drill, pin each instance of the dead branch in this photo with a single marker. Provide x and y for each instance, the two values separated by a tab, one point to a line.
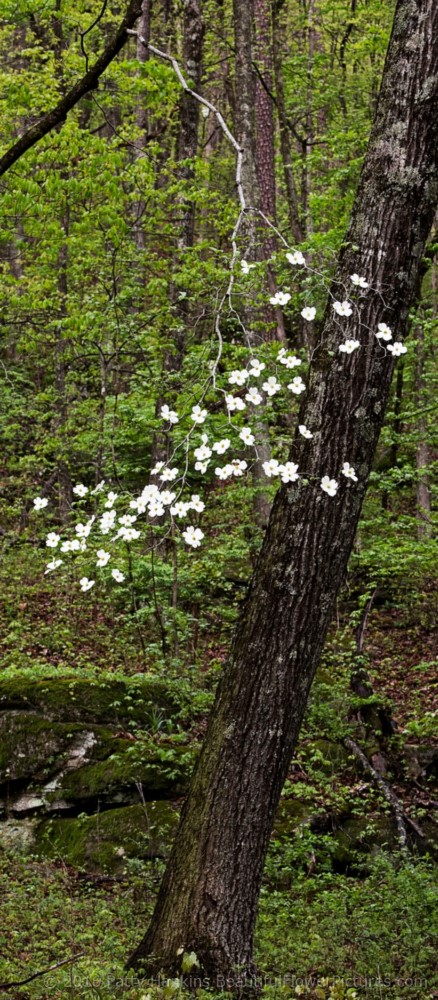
44	972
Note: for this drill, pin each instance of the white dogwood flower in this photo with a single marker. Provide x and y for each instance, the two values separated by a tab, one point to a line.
238	376
52	565
396	349
329	486
234	403
168	414
168	475
348	471
296	258
288	472
342	308
198	415
193	536
271	468
225	472
349	346
256	367
117	575
155	508
253	396
247	436
297	385
280	299
111	498
238	466
102	557
383	332
202	453
40	502
196	503
271	386
52	540
220	447
128	534
357	280
309	313
304	431
180	509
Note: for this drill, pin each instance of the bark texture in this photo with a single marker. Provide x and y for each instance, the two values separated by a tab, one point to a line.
208	899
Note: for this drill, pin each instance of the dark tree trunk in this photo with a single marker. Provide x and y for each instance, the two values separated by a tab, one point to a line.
265	144
295	224
186	150
246	136
208	899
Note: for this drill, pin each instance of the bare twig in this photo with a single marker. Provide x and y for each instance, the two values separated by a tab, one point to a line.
44	972
388	794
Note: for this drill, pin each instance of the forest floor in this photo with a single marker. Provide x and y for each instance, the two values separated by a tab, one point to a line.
331	926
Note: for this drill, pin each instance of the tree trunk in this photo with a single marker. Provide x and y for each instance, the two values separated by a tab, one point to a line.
208	900
265	145
246	136
424	506
295	225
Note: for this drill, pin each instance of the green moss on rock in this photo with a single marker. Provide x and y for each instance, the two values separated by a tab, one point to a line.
31	746
145	701
161	773
103	842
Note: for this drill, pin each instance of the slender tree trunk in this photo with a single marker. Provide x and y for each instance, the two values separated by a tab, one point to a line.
246	136
424	506
295	225
186	150
208	900
265	143
142	54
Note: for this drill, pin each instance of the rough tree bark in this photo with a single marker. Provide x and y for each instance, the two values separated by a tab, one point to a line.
208	899
246	137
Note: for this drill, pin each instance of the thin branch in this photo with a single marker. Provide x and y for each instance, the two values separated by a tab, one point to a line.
44	972
207	104
83	34
88	82
387	792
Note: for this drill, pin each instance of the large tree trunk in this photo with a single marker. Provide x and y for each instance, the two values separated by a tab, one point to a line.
208	899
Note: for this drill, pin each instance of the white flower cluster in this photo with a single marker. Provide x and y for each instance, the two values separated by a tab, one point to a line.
287	471
158	501
331	486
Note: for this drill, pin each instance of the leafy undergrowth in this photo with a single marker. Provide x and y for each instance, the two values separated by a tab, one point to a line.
320	937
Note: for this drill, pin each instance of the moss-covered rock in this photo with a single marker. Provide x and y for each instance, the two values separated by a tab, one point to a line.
103	842
359	836
292	815
145	701
161	772
31	746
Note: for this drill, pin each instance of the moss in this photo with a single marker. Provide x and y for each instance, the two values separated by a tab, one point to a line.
102	842
146	701
361	835
30	745
290	816
161	773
